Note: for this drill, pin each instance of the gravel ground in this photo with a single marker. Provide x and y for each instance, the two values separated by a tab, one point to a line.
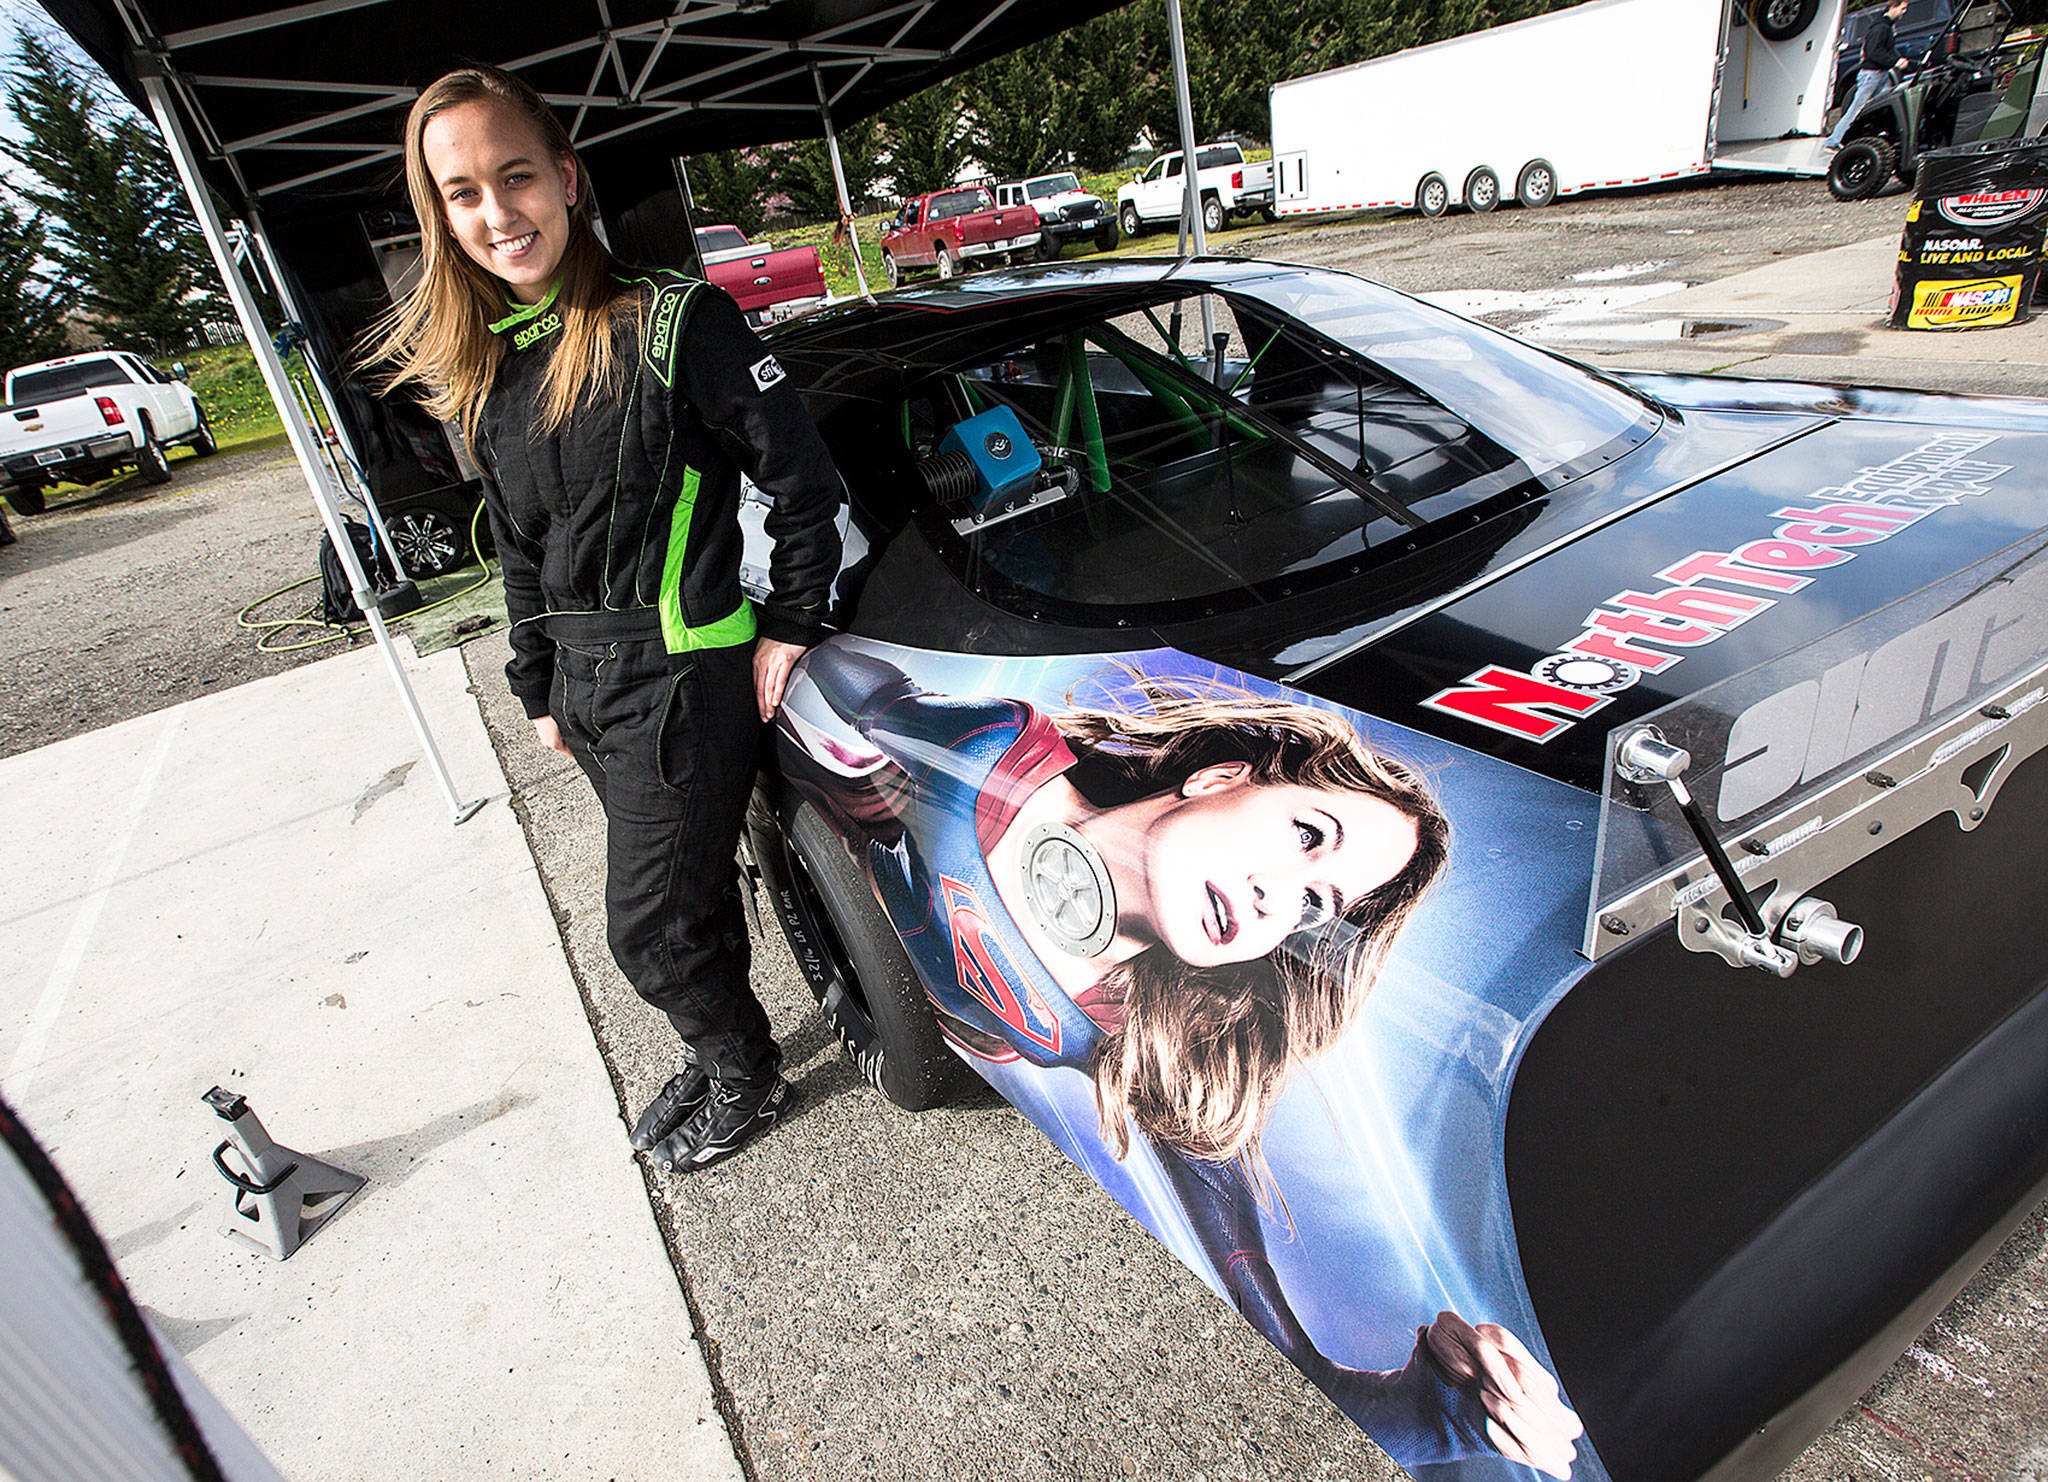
123	601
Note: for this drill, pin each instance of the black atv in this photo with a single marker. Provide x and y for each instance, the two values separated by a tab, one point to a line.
1966	90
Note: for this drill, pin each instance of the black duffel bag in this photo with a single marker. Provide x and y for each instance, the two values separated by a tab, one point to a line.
1971	255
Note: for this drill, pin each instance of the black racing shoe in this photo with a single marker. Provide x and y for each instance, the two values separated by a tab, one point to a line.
674	1105
733	1115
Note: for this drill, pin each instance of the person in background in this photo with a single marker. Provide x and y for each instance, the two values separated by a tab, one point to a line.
1881	65
615	413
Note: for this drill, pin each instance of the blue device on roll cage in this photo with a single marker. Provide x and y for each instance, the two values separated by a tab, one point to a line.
987	470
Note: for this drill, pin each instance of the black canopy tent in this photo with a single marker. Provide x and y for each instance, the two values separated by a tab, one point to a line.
291	115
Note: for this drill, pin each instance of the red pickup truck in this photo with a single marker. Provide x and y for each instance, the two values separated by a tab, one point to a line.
759	278
948	229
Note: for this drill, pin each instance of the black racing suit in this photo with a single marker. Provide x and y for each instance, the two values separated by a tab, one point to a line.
620	539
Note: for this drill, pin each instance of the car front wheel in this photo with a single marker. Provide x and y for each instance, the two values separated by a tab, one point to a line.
1048	247
1134	225
852	958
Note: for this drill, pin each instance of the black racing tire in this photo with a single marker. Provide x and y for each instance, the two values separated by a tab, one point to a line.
1536	186
1781	20
1133	223
150	459
1212	214
429	542
851	957
1048	249
890	271
1432	195
1482	191
28	499
1860	168
1107	236
943	261
202	440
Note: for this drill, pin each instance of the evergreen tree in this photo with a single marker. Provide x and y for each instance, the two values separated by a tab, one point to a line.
732	185
927	137
32	305
803	172
118	222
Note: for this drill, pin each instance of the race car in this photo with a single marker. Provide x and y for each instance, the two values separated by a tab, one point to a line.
1507	870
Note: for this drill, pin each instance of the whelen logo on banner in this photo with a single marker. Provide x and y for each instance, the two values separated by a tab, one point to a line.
1710	593
1991	208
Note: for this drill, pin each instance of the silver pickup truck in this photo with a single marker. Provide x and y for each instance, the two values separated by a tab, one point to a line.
79	418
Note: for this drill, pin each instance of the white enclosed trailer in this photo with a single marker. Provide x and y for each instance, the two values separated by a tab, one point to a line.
1605	94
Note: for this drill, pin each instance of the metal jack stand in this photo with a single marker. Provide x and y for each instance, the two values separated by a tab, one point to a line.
285	1195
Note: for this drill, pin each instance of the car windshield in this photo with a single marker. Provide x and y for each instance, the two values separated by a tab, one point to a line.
66	380
958	203
1221	441
719	238
1050	185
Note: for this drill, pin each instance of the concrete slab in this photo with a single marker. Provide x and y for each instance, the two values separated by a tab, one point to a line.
262	890
1834	303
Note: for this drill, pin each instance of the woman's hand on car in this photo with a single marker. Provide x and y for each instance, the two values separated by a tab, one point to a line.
550	734
772	662
1526	1418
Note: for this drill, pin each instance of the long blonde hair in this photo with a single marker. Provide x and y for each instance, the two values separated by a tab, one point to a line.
1204	1052
438	337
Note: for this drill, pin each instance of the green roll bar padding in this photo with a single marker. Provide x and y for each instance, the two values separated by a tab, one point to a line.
1078	387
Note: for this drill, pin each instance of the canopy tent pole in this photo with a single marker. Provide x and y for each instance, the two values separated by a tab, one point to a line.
295	425
1190	162
1190	175
839	179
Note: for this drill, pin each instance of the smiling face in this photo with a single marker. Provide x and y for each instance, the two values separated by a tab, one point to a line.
505	198
1234	866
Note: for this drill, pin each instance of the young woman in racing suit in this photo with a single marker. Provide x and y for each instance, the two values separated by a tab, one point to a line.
1260	859
615	413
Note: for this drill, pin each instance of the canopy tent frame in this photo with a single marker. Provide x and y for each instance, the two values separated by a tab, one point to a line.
796	69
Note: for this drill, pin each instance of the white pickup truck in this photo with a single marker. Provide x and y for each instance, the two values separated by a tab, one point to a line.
79	418
1229	187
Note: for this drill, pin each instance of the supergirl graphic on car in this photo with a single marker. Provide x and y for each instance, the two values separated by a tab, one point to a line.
1200	931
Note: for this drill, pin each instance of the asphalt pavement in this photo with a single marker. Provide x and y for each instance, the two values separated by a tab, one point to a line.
262	889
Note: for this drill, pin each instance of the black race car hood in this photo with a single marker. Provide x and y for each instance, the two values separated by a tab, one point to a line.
1667	594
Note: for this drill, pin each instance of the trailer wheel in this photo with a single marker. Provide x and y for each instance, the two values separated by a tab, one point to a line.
1433	195
1860	168
1781	20
1536	186
1482	191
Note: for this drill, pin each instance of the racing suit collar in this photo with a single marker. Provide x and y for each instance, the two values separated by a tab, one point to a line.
523	314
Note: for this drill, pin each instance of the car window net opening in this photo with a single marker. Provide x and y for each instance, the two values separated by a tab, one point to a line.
1179	470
